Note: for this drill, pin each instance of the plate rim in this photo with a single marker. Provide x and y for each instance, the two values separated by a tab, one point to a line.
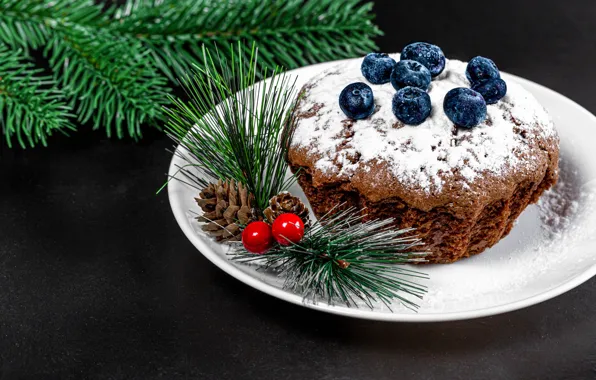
361	313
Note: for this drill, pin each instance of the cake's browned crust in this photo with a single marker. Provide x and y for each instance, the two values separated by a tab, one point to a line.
454	223
448	236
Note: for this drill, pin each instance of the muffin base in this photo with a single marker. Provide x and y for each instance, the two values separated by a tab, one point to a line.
446	237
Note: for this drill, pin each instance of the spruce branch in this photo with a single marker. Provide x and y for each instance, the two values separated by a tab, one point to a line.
31	106
288	33
107	78
29	23
145	41
343	259
241	135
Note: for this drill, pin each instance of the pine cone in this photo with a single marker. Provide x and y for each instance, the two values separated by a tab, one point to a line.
285	202
226	206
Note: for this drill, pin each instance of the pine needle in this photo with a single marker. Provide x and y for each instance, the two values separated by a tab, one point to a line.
113	63
28	24
289	33
240	135
108	79
31	107
343	259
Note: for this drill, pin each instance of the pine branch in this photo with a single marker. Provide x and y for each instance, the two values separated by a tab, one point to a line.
227	135
114	59
344	259
108	79
31	107
289	33
29	23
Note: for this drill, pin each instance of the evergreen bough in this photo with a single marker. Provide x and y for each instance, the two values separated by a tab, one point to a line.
111	65
31	106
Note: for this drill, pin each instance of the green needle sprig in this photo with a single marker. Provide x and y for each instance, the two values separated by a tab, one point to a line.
32	108
347	260
235	126
113	64
289	33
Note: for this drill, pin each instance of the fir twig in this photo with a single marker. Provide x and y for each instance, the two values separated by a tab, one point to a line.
289	33
145	40
31	107
29	23
240	135
108	79
343	259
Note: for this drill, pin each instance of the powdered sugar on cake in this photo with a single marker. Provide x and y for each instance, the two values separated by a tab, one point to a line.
422	156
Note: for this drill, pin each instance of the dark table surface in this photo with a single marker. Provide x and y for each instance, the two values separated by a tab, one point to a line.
97	280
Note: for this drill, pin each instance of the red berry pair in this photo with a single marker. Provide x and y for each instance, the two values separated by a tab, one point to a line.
286	229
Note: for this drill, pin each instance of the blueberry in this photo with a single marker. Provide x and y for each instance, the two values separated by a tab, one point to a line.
376	67
411	105
410	73
480	69
357	101
492	90
465	107
429	55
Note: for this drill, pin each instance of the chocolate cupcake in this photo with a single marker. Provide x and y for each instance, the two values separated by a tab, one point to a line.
461	188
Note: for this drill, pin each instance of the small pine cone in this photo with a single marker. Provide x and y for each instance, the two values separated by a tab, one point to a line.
226	206
285	202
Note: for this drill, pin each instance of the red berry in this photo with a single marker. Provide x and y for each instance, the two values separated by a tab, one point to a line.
287	229
256	237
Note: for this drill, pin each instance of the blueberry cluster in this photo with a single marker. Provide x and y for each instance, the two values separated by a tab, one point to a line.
419	63
467	107
411	77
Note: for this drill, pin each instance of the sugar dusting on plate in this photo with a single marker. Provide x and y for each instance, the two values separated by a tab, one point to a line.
564	222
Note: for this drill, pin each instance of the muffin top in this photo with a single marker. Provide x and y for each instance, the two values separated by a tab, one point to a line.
430	164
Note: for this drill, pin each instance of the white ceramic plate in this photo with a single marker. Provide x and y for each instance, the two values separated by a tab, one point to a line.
551	250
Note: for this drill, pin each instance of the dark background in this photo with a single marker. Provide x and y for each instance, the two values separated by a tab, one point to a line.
97	280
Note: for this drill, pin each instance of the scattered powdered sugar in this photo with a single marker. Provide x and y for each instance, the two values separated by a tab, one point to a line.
544	258
419	156
553	242
558	205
